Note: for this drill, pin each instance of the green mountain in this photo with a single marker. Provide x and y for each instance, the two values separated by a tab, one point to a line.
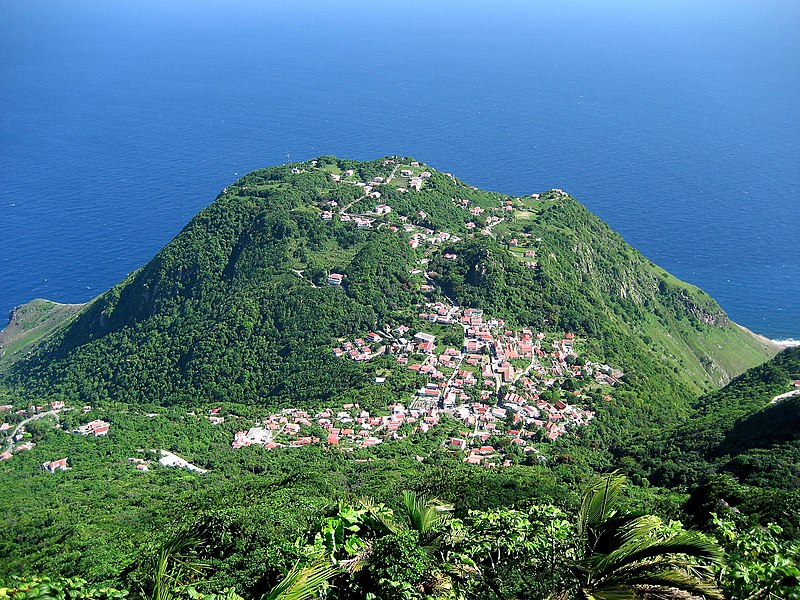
237	307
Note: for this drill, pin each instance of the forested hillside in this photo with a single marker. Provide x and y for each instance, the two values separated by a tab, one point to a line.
748	428
236	307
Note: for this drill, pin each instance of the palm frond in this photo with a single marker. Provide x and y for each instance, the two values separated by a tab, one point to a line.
379	517
643	570
689	543
599	501
672	583
423	515
303	582
611	593
175	560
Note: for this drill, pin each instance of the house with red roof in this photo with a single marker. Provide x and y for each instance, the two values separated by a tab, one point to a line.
55	465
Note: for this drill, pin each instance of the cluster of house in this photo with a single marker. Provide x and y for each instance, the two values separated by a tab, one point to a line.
349	427
518	418
492	215
140	463
16	444
360	349
96	428
214	417
463	381
415	179
423	236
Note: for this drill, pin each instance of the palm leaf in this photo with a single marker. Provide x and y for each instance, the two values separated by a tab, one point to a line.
599	501
687	543
671	579
175	561
303	583
661	574
627	557
423	515
380	519
611	593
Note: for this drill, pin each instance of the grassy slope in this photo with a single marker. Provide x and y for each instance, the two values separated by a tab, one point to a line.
31	323
677	321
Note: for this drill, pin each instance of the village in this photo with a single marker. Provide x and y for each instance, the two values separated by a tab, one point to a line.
413	177
407	178
18	440
493	385
497	383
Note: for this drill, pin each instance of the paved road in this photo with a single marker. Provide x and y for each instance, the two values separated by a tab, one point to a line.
785	396
10	439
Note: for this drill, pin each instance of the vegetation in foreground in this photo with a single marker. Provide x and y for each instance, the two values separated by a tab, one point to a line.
365	549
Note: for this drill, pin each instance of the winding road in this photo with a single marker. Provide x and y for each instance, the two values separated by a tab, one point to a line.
10	440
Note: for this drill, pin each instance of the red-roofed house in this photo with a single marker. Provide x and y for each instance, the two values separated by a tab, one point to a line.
52	466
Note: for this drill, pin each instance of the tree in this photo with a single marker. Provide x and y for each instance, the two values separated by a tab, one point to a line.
517	553
393	555
759	565
176	562
623	556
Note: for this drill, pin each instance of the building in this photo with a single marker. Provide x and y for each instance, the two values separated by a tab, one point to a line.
55	465
97	428
335	279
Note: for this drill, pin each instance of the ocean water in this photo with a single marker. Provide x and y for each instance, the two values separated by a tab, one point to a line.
677	122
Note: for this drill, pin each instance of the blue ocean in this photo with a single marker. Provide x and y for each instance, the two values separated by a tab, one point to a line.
676	121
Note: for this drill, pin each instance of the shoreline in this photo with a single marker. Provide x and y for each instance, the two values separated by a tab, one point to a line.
782	344
788	343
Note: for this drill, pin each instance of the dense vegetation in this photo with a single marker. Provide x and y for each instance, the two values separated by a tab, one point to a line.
739	430
738	449
361	548
236	313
